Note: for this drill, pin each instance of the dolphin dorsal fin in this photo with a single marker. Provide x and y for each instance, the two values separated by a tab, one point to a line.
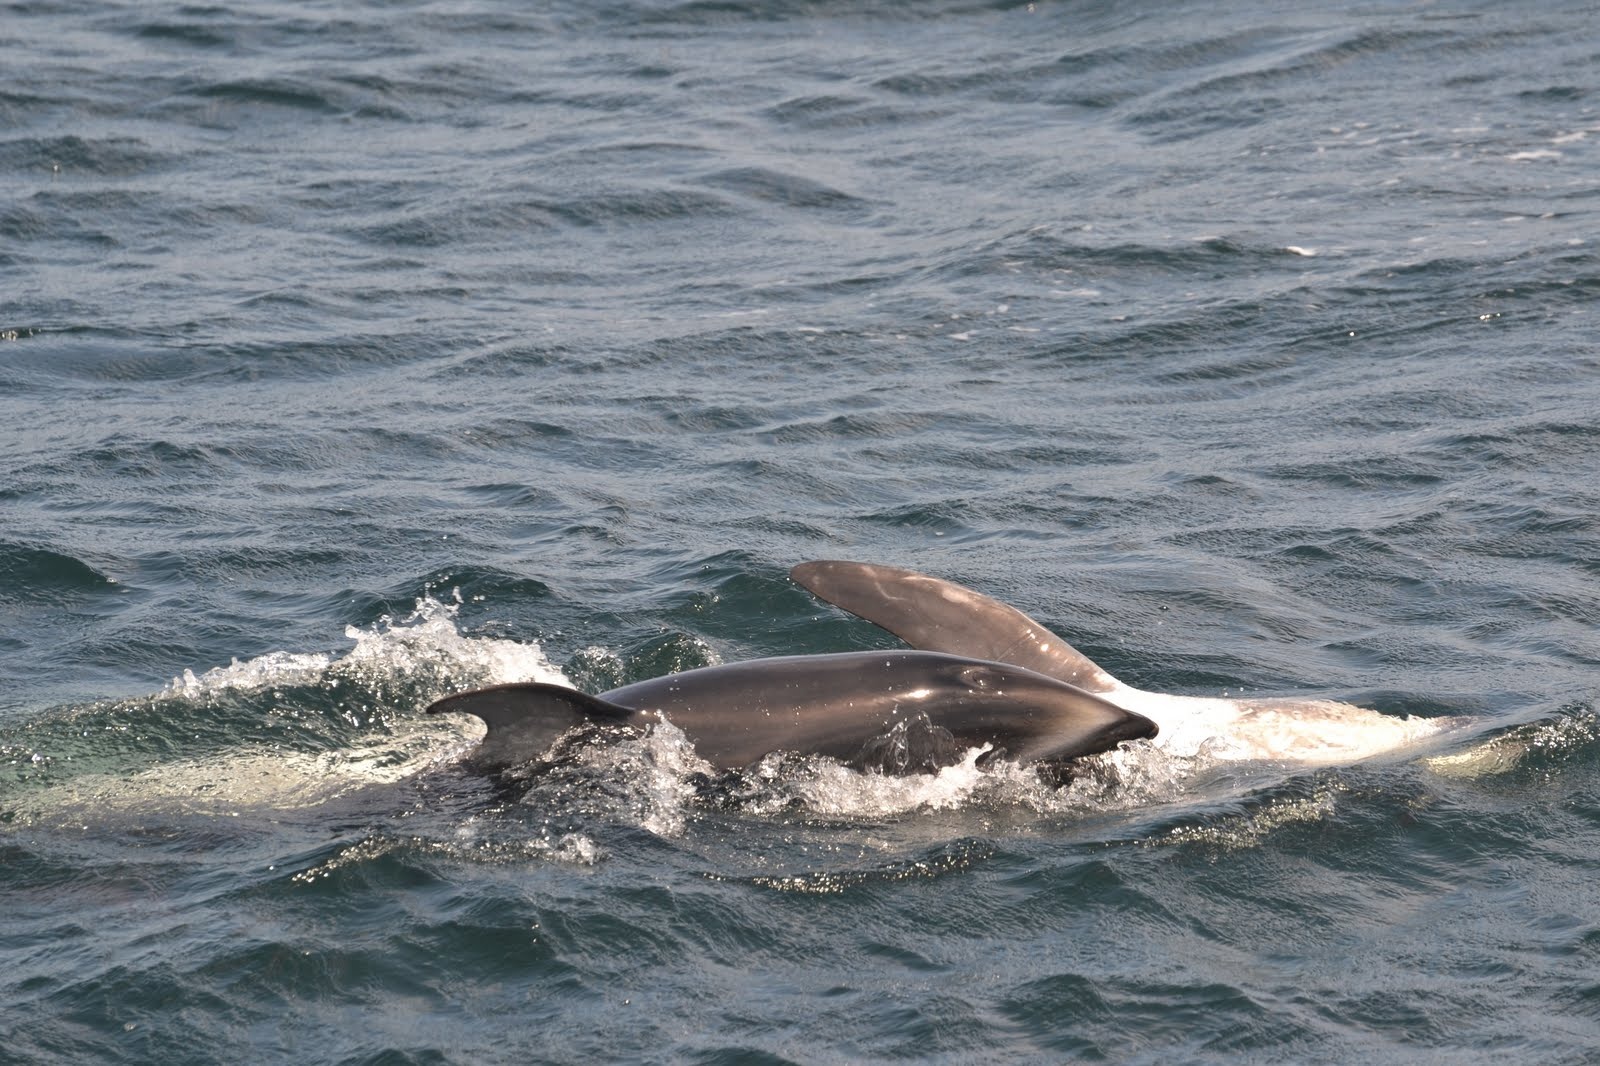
524	720
931	614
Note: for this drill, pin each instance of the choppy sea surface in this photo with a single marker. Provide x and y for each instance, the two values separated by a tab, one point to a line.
357	353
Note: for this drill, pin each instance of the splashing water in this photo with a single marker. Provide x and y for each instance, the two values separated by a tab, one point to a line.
281	731
424	643
348	722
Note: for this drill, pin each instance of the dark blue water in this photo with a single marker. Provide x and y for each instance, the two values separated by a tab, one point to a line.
356	353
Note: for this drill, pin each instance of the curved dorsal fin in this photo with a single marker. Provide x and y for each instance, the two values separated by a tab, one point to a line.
525	720
935	615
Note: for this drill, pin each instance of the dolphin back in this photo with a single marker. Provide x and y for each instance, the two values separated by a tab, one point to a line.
526	720
931	614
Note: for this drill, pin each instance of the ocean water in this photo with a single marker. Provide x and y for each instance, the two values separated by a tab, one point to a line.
356	353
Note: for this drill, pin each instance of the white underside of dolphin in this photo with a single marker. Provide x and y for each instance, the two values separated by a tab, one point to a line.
1308	732
936	615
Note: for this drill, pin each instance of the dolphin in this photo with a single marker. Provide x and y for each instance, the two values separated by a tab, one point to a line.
888	711
937	615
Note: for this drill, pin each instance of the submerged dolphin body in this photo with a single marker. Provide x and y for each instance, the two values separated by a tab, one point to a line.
937	615
894	711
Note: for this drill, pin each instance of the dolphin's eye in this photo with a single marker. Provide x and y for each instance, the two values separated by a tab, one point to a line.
978	677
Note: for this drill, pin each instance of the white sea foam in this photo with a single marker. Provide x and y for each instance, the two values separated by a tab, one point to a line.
425	640
393	742
829	788
653	774
273	668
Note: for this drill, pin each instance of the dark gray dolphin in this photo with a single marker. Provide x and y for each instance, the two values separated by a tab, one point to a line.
940	616
898	711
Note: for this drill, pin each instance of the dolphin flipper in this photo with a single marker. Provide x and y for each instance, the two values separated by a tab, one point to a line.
935	615
526	720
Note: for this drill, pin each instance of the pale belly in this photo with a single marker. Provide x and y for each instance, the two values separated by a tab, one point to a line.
1308	732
